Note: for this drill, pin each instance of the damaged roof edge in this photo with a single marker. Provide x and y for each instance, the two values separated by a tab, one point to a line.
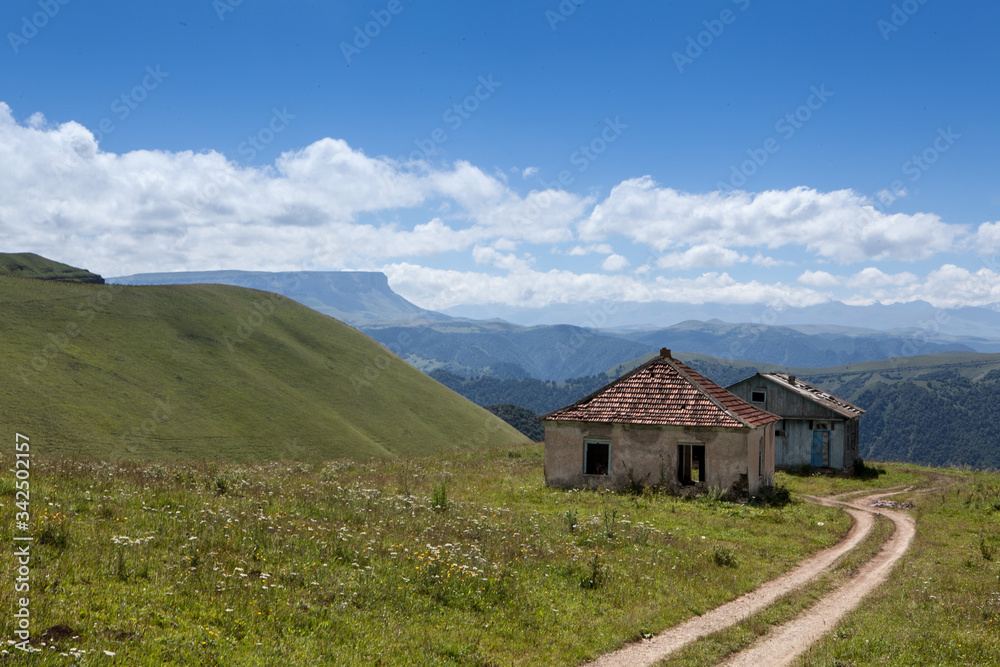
815	394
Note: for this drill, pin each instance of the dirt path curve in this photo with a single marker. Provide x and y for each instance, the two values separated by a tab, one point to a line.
785	643
648	652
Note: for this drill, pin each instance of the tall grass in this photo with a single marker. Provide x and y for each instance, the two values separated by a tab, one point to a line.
352	563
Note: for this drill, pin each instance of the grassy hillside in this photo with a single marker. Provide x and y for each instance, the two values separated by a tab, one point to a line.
355	297
30	265
213	372
941	418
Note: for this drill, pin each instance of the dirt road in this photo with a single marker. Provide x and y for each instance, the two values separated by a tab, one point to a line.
783	644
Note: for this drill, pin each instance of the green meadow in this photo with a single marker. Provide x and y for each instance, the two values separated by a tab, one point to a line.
460	559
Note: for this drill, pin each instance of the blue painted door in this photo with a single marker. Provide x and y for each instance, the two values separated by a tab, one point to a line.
821	449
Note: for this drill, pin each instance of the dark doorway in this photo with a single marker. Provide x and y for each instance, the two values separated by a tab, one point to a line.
691	464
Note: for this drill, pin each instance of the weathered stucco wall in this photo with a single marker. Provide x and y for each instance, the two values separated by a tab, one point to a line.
651	454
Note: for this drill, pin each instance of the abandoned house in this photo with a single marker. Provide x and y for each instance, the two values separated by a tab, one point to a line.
816	428
663	423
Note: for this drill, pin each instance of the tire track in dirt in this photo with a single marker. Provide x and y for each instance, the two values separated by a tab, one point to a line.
648	652
787	642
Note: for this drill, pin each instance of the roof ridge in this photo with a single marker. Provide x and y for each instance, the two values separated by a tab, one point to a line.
677	366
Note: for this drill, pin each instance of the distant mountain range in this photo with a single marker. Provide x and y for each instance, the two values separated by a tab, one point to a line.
788	346
469	347
916	318
499	349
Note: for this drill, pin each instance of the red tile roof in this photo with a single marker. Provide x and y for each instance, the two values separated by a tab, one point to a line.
664	392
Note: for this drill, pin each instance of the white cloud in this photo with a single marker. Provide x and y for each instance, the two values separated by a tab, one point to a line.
327	205
949	287
442	288
504	261
708	256
769	262
987	238
842	225
614	263
596	248
819	279
867	279
872	277
886	197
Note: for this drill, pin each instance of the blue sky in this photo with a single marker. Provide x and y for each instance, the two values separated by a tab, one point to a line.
732	151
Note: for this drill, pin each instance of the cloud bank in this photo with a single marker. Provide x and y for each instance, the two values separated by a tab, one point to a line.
454	234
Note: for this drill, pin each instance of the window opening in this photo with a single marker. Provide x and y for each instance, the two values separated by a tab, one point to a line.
596	457
758	396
